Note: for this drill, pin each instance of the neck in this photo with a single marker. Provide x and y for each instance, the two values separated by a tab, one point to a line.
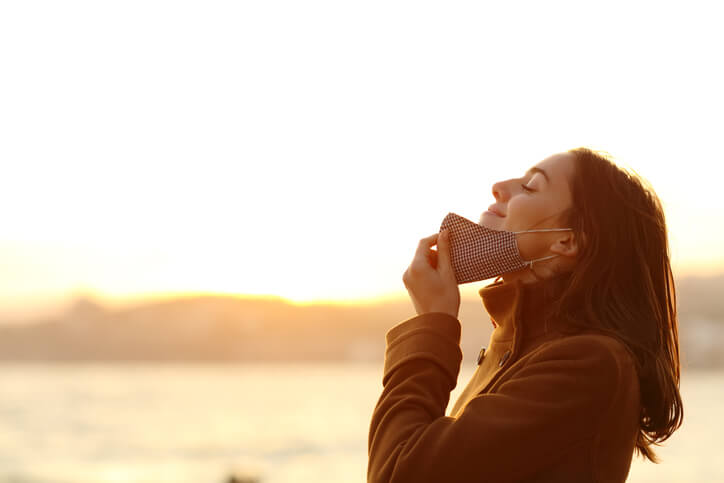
539	273
521	307
524	275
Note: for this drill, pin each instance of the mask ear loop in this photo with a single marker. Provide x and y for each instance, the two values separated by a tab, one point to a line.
543	229
530	265
530	262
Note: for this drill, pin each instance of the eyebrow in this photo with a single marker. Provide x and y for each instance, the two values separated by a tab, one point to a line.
536	169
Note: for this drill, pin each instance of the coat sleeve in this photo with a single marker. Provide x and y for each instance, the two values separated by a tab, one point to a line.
556	400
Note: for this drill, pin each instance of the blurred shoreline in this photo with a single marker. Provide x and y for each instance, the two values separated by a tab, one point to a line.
250	329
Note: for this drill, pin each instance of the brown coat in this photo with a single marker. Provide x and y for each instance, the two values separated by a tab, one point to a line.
542	406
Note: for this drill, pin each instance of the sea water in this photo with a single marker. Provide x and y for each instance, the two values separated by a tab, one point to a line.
279	423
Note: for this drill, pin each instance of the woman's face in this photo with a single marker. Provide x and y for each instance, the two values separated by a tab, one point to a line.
535	201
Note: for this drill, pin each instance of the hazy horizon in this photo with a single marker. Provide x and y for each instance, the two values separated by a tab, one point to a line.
52	305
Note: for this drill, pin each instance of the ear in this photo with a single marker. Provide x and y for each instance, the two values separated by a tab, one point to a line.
565	245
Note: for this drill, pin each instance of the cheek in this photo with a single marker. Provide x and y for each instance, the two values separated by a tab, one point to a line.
523	212
519	206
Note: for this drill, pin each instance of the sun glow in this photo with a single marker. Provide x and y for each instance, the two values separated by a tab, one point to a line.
300	156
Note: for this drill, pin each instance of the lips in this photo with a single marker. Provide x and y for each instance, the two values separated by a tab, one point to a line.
495	211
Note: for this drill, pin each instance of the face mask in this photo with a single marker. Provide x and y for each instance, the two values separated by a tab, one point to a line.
479	253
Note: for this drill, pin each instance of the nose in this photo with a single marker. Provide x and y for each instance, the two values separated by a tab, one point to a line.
498	190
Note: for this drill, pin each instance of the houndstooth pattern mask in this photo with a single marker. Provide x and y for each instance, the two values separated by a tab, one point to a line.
479	253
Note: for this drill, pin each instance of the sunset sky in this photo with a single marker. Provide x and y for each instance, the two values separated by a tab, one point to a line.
302	149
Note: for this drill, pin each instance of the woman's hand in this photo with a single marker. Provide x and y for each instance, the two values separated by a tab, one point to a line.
430	279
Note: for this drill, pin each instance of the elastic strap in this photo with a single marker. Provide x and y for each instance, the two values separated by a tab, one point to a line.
530	262
543	229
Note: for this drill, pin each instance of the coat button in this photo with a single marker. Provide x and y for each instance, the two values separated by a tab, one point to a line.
504	358
481	355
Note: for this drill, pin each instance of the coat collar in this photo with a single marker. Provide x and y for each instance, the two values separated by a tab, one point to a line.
517	309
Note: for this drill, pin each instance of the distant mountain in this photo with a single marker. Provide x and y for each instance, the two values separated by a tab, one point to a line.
218	328
226	328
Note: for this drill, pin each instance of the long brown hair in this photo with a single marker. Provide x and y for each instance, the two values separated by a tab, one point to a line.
622	283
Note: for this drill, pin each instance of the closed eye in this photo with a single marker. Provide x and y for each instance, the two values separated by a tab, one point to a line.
529	190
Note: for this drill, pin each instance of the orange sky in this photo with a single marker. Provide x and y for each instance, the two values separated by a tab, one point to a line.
240	150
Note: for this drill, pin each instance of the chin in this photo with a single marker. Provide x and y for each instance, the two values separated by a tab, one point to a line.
490	221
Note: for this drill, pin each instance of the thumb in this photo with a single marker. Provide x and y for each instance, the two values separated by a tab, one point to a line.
443	252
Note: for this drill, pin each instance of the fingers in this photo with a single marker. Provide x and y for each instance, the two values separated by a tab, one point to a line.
432	258
422	255
428	241
443	250
423	248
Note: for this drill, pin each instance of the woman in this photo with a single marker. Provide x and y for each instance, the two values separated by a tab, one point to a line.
582	368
